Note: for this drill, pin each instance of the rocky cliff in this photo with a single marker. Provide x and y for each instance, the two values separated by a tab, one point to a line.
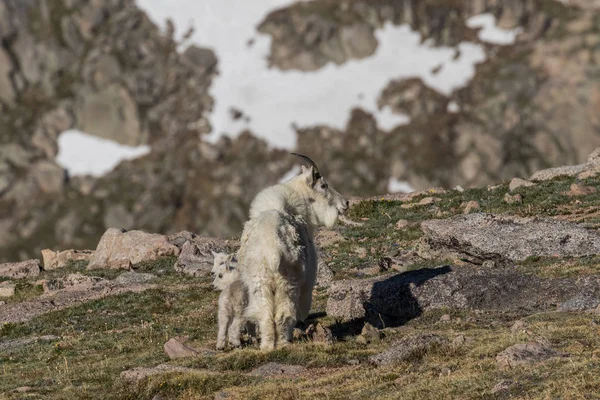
531	105
105	68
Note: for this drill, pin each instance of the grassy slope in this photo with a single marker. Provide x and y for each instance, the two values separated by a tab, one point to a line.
101	338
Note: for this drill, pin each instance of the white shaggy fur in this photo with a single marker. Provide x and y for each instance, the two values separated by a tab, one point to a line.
277	258
233	301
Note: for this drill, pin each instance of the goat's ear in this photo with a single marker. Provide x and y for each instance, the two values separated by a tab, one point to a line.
310	175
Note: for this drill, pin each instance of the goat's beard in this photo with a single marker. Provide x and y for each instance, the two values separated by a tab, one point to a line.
326	215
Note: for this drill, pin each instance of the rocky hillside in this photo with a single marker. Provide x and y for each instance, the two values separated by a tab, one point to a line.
104	68
490	292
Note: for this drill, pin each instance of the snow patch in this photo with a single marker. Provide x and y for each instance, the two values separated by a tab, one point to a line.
490	32
396	186
276	100
84	154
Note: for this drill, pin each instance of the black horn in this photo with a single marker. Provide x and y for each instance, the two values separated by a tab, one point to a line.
309	162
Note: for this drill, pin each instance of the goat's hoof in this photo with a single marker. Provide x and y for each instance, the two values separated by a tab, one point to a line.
220	347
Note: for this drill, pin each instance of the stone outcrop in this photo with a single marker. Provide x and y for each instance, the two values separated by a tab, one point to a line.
20	270
508	239
404	296
118	249
527	353
58	259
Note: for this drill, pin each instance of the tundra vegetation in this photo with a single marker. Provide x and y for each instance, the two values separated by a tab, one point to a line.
81	351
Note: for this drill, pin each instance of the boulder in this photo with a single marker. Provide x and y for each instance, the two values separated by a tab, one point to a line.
192	261
530	353
509	239
394	299
20	270
118	249
58	259
410	346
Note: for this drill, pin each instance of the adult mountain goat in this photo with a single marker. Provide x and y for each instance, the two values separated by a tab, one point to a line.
277	258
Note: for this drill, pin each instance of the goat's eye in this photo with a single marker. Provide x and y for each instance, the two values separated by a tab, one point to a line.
220	275
323	186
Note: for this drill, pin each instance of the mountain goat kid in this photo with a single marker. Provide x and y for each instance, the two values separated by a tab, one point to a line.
277	258
233	301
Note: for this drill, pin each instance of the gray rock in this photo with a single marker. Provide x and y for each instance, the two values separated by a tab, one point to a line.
119	249
320	334
192	261
369	334
325	274
580	302
508	239
414	345
530	353
404	296
274	369
20	270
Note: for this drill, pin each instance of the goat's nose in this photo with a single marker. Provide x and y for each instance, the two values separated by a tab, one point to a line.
347	203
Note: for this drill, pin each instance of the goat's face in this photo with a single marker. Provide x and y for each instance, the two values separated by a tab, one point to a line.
220	263
224	270
327	204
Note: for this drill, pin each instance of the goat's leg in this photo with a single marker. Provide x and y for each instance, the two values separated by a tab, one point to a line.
285	322
267	333
224	322
234	331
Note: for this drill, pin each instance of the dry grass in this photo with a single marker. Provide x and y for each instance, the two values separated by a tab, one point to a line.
99	339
